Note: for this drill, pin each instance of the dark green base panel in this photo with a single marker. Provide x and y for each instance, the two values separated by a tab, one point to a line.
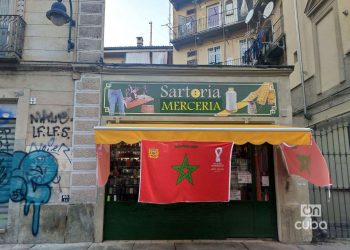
137	221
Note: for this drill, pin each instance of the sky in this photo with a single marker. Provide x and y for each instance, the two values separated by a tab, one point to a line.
127	19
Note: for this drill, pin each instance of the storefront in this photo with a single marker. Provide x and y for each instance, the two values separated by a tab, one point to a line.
246	111
251	211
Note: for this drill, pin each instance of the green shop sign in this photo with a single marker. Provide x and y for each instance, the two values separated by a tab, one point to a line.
200	99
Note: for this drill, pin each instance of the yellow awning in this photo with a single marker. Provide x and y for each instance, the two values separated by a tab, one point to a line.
239	134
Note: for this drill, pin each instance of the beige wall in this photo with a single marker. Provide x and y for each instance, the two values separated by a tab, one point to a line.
231	46
54	95
291	38
43	40
325	40
328	51
344	22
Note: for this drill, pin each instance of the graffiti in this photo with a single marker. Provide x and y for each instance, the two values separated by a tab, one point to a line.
50	131
51	147
4	142
44	117
27	177
48	124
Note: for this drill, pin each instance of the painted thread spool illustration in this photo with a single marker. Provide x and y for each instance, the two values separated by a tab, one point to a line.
231	100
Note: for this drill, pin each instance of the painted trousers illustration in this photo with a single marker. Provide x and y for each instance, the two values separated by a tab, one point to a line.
115	97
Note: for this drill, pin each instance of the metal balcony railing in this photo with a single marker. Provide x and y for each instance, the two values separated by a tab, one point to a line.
238	62
191	26
11	37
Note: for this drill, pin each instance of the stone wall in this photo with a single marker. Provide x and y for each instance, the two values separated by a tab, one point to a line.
90	31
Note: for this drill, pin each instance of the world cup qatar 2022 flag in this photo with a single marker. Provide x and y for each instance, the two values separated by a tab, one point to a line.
185	171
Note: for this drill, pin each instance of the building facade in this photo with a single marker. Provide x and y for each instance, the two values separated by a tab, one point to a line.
312	36
318	45
139	54
226	32
51	101
43	106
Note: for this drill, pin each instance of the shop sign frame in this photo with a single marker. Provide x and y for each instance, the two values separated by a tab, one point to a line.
136	98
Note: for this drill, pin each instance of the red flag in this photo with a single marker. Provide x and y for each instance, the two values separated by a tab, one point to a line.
185	171
307	162
103	163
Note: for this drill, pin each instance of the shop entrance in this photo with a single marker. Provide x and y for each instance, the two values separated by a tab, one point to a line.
250	213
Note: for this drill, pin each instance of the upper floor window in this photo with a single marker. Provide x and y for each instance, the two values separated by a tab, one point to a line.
191	12
244	45
187	24
231	11
4	7
229	7
191	53
213	14
214	55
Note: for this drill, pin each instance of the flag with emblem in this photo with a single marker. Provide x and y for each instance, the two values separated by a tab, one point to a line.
184	171
307	162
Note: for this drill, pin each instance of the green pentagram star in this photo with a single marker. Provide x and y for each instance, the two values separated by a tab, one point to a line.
304	163
185	174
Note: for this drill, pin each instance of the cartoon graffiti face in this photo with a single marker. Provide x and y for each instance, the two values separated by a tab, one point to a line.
40	167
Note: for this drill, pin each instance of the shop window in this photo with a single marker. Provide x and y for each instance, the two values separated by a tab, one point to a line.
123	183
250	177
241	176
251	173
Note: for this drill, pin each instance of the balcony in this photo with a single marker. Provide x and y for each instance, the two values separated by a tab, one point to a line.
203	28
268	48
274	50
11	38
178	4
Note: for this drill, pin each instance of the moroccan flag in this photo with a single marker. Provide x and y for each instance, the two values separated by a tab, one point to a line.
103	163
307	162
185	171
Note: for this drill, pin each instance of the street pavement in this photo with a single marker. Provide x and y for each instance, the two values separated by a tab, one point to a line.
183	245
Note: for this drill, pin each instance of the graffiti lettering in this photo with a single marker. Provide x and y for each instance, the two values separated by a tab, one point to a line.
45	117
4	142
27	177
52	148
49	124
50	131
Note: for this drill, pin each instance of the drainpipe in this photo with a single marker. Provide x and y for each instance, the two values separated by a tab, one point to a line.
223	30
300	59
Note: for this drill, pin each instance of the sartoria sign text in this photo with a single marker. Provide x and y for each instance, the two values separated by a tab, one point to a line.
214	99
